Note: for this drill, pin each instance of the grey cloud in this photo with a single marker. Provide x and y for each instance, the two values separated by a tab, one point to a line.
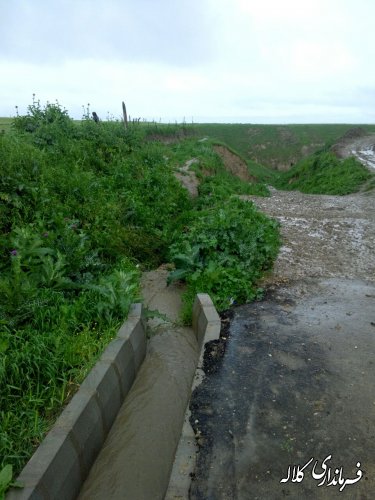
159	31
315	95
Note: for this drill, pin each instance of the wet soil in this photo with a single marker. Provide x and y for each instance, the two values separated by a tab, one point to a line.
359	144
188	178
323	235
293	376
295	383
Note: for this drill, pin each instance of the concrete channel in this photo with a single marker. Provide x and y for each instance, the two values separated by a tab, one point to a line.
118	436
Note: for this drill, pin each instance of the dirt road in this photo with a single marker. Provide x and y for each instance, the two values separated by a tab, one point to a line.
362	147
323	236
295	385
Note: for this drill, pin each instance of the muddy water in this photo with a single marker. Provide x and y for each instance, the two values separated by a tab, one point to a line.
137	457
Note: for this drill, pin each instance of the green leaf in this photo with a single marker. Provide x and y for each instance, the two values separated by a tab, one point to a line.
6	474
4	344
176	275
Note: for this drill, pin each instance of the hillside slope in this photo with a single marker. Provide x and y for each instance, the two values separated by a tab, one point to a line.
275	146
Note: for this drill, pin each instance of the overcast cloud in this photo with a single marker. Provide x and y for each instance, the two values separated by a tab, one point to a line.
264	61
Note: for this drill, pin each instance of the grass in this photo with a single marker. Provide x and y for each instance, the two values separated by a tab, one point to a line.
84	208
5	124
324	173
275	145
226	244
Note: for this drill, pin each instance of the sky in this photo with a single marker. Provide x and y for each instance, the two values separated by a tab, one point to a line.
234	61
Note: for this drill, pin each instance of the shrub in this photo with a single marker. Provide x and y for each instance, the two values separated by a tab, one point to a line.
224	252
82	206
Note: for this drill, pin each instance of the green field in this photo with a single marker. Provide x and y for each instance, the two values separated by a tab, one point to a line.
275	146
5	124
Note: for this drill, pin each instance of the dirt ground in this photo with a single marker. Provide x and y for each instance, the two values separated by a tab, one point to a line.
232	162
323	236
293	383
188	178
359	144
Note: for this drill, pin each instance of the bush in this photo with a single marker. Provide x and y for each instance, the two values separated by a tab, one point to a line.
83	205
225	251
48	125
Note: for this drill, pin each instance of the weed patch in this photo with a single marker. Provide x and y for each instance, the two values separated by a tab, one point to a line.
84	206
324	173
223	252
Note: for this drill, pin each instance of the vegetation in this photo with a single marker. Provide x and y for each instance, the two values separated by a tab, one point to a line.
225	243
5	124
274	145
302	152
324	173
211	171
223	251
84	207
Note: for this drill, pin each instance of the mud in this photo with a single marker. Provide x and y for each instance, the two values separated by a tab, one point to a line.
329	236
295	382
293	376
234	164
188	178
167	300
361	146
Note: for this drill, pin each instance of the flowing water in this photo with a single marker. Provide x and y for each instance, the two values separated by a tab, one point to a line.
137	457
